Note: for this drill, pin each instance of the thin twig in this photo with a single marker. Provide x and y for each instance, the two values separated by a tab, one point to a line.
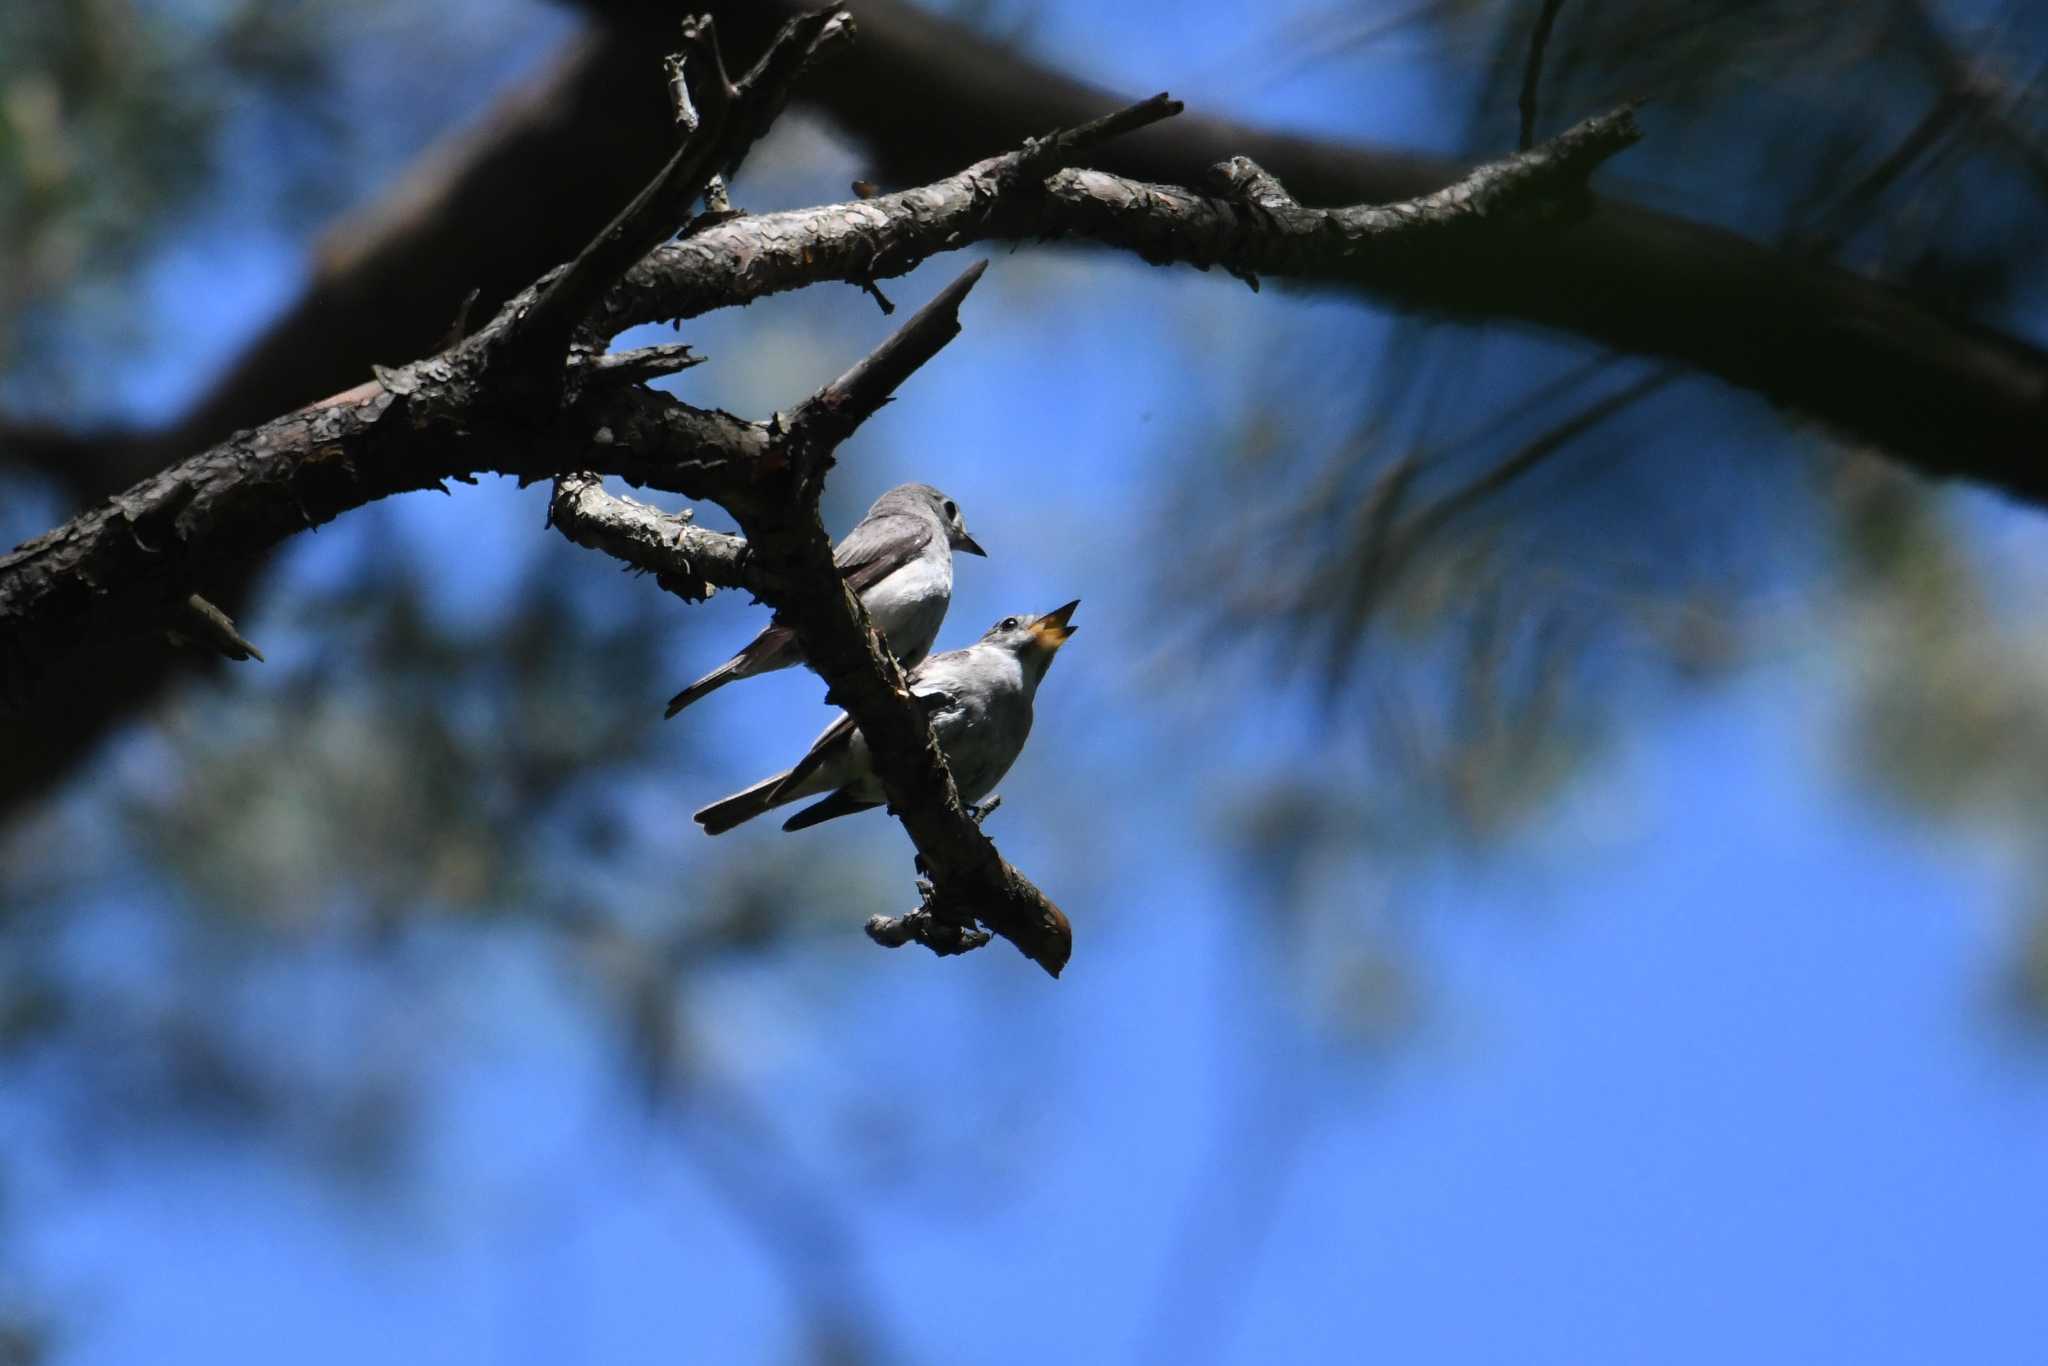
727	120
832	414
656	212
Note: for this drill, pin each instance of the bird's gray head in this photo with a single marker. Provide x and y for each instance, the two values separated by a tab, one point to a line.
1034	640
924	500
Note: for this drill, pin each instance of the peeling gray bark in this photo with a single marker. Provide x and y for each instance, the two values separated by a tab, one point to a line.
114	568
685	559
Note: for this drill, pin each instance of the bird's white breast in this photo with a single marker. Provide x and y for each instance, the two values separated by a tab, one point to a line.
910	605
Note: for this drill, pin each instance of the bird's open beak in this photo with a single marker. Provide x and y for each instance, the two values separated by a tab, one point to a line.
1052	629
970	545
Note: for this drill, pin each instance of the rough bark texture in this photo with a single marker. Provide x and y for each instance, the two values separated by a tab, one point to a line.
112	570
459	413
686	560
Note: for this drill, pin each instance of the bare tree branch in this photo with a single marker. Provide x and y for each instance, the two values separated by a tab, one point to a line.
117	566
1260	228
750	257
1948	397
1279	237
686	560
120	567
732	118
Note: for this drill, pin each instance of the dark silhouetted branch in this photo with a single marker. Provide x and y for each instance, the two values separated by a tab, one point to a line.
123	565
1260	228
871	238
1949	397
723	125
829	416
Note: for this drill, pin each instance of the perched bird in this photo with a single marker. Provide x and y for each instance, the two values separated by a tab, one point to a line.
979	701
899	558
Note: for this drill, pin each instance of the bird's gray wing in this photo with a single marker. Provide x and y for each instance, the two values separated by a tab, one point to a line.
879	546
839	733
828	745
871	552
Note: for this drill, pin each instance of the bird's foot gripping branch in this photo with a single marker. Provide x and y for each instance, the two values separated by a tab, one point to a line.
534	395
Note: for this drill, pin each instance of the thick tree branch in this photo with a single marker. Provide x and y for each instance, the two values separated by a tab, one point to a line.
750	257
115	569
1259	228
449	417
1948	397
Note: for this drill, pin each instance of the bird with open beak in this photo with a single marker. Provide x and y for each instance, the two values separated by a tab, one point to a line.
979	701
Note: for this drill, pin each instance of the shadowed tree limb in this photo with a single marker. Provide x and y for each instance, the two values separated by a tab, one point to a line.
449	416
721	128
122	566
1949	398
1262	230
1258	228
748	258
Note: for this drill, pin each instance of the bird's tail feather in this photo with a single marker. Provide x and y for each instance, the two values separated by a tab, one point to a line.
775	648
723	814
709	683
838	804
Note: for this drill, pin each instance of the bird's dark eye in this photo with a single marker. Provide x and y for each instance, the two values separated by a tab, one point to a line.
951	511
1007	624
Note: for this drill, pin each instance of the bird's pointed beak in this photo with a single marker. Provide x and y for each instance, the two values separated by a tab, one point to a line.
970	545
1052	629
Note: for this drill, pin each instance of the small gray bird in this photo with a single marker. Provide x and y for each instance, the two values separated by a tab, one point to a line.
899	558
979	700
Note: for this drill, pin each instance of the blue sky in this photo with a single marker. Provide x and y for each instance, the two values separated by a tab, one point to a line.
1704	1064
